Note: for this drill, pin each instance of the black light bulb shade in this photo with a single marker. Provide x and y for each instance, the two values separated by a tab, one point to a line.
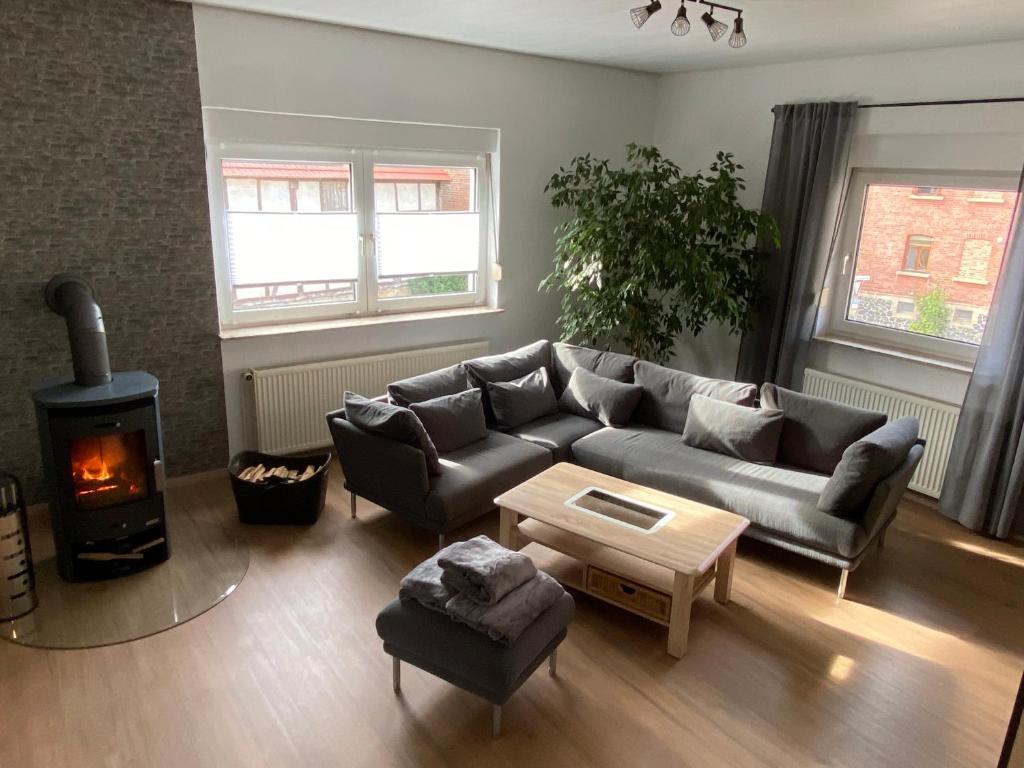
681	24
715	28
641	14
738	38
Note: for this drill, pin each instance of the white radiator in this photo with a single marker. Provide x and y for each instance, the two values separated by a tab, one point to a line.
290	401
938	420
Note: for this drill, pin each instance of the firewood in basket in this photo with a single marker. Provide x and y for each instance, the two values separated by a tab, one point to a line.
307	473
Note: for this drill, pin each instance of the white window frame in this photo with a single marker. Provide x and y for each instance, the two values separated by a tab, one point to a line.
361	160
835	324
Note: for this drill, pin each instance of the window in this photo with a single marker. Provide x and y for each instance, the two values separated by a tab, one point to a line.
919	248
313	234
927	294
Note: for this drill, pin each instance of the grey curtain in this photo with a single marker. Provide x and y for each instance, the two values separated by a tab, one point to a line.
984	485
803	189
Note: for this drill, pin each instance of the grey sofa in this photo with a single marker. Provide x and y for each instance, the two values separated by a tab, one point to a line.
780	500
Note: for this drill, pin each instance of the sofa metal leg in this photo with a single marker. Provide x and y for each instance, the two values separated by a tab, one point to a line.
352	504
440	542
553	663
844	576
496	721
396	674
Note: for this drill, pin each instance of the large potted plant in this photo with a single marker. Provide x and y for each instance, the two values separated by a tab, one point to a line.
648	251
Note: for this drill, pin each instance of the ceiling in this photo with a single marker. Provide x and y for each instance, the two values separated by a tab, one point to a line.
600	32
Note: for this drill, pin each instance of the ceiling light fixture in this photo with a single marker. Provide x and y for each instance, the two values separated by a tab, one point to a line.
644	12
681	24
738	38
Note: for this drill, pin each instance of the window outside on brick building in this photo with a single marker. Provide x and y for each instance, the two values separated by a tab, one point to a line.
927	259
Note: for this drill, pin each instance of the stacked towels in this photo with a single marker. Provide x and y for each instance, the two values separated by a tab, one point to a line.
483	585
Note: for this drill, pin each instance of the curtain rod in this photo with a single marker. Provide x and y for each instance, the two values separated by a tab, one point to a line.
1002	100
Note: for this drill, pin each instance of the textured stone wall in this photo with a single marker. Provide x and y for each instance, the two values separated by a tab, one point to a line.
102	173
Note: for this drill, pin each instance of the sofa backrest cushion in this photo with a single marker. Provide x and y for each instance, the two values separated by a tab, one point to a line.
522	400
393	422
667	393
815	431
426	386
506	367
865	463
453	421
566	358
751	434
609	401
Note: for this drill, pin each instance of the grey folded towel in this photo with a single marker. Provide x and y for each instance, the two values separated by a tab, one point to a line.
508	618
483	570
423	583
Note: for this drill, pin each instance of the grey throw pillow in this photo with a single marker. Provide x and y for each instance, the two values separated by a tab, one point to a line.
865	463
453	421
393	422
751	434
566	358
416	389
815	431
506	367
521	400
667	394
610	402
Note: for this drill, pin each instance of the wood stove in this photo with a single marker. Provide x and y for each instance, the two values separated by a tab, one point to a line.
102	452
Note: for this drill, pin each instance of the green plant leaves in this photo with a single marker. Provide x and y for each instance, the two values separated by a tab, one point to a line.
649	251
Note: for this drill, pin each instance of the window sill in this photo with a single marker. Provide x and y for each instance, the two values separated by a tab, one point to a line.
927	197
279	329
970	280
911	273
936	362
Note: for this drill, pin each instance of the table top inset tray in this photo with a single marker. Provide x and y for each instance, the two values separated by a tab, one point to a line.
619	509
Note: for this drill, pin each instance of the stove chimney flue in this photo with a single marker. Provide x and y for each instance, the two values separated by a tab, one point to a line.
73	298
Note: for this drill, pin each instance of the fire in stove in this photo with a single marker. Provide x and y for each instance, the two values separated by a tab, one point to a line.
108	469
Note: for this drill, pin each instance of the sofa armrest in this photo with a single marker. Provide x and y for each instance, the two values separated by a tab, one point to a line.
881	508
387	472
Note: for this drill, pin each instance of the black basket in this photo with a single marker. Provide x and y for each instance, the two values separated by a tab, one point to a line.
278	502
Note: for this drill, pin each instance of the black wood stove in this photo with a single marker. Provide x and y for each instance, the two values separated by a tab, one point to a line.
102	451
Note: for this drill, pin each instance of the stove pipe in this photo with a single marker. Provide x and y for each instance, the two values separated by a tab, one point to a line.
72	297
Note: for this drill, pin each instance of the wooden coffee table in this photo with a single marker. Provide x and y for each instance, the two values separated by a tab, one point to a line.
640	549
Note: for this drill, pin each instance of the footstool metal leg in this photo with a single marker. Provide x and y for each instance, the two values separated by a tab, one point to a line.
396	674
553	663
352	504
495	721
844	576
440	542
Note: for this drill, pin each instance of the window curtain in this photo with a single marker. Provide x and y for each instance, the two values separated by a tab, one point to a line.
984	486
803	188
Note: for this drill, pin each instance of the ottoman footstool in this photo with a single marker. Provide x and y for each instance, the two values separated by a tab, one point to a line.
469	659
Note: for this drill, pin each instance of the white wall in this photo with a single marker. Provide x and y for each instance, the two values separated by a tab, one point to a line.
729	109
547	111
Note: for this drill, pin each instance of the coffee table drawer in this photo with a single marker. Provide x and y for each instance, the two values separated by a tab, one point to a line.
629	594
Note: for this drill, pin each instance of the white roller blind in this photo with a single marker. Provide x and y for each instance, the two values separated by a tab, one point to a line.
292	247
426	243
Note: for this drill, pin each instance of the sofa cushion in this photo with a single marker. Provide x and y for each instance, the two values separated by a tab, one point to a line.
815	431
566	358
610	402
453	421
557	433
393	422
468	659
745	433
427	386
865	463
667	394
506	367
474	474
521	400
783	501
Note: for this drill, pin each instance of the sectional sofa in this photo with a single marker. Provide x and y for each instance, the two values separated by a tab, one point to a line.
813	443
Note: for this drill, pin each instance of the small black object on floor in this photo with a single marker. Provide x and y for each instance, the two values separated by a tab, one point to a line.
275	501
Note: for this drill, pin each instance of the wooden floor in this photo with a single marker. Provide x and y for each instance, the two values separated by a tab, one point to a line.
918	667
